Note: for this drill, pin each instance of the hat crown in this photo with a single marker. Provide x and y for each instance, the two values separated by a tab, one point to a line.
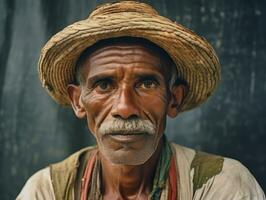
196	61
123	6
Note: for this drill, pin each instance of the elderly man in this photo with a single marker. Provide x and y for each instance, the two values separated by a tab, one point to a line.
125	69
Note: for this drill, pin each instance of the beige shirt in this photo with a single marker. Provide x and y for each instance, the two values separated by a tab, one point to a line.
234	182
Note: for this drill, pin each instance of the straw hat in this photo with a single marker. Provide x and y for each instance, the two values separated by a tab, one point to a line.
195	59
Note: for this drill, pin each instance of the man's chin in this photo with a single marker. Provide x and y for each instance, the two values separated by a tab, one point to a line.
126	142
128	156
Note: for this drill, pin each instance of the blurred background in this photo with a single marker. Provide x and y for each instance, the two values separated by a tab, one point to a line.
35	131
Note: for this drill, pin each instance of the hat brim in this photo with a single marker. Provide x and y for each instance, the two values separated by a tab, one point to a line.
195	59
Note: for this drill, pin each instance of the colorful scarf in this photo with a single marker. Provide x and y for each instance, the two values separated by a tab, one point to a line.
165	170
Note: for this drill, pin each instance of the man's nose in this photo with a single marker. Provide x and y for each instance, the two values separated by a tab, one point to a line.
125	106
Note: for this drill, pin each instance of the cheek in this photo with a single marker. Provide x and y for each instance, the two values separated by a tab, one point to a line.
158	105
96	107
155	106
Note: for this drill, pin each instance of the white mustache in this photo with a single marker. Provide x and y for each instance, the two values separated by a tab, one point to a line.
128	126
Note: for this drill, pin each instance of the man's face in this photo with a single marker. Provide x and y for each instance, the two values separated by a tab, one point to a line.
125	99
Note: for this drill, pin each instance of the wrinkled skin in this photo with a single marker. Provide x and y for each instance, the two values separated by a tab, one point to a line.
126	82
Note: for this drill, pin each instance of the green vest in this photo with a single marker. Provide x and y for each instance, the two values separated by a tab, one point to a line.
66	175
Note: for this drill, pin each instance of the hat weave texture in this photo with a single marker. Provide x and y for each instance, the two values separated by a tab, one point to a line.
195	59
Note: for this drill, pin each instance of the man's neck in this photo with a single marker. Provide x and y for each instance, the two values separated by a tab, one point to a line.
129	181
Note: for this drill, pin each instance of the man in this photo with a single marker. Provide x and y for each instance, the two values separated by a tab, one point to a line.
125	69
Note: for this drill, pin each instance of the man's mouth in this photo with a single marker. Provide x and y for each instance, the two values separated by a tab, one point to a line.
127	137
126	133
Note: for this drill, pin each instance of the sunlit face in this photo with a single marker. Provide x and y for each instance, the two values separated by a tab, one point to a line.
124	95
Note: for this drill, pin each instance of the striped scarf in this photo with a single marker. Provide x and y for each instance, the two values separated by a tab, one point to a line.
165	170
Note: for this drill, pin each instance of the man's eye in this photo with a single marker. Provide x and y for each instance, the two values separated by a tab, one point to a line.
103	86
148	84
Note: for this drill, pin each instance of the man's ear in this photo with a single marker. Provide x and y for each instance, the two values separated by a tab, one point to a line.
74	93
177	94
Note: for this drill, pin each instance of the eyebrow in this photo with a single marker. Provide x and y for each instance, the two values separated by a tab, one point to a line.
138	75
149	76
95	78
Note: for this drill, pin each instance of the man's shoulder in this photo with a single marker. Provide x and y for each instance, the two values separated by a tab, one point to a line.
235	177
200	158
38	186
73	160
234	181
212	176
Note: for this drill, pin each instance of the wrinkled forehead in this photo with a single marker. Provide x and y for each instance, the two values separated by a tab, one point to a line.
124	45
123	49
